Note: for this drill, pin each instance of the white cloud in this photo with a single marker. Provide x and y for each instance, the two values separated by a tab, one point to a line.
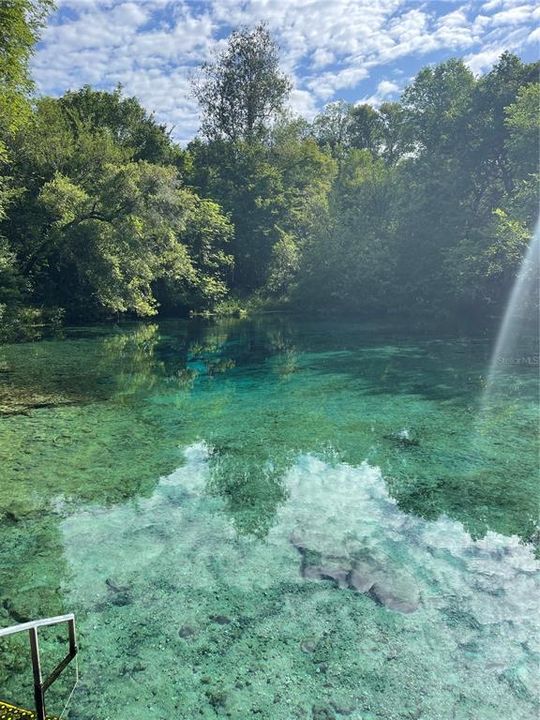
329	48
491	5
481	61
324	86
455	30
385	89
513	16
303	103
534	37
322	57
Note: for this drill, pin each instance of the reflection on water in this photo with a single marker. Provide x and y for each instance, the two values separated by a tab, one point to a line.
332	542
197	615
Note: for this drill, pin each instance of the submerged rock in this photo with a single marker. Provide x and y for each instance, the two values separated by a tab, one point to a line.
9	516
323	572
343	707
360	582
395	593
322	713
217	698
220	619
386	596
14	613
186	632
308	645
112	585
121	594
132	669
121	599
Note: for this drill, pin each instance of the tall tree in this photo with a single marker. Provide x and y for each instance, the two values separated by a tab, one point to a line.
436	183
365	128
21	22
395	131
348	262
307	173
331	127
523	123
131	126
95	230
438	102
489	132
483	265
242	90
240	177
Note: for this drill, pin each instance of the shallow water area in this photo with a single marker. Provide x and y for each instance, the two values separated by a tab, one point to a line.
272	518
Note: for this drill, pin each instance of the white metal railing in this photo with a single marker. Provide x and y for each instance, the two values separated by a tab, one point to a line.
41	685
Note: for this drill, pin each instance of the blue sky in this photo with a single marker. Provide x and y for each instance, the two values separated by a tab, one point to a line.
357	50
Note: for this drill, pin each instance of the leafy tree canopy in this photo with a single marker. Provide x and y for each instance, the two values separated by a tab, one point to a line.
242	90
425	204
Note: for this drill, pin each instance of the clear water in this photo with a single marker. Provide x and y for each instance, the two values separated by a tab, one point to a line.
272	518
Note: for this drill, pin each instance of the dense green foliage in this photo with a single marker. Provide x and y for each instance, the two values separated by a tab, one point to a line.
98	220
436	208
426	204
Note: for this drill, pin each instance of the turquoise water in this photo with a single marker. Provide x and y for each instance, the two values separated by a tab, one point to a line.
272	518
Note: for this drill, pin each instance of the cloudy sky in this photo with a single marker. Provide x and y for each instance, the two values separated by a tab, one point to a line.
351	49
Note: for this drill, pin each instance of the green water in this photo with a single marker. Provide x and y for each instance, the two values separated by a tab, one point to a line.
272	518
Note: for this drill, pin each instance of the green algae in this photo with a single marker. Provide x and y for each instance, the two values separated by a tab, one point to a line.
160	506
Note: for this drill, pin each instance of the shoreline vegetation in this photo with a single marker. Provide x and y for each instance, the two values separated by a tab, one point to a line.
28	324
422	207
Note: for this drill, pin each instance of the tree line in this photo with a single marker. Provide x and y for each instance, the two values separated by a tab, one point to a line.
425	205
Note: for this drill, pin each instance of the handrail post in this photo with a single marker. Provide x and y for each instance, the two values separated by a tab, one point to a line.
72	637
38	680
40	685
